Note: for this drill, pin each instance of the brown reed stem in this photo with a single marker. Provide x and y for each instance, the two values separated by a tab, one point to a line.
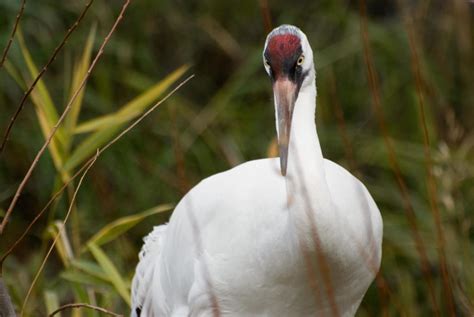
432	187
266	15
310	271
12	35
376	103
60	120
341	125
40	74
183	185
84	305
324	268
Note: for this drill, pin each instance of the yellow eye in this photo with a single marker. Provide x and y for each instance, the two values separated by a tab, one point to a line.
267	64
300	60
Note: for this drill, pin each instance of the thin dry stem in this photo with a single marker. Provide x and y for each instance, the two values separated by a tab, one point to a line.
310	271
60	120
84	166
323	265
341	124
267	18
178	154
432	187
376	103
58	234
12	35
40	74
84	305
222	37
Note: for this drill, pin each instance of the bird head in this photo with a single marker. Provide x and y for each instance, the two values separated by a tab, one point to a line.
288	60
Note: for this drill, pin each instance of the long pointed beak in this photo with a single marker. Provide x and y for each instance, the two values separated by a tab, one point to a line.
285	93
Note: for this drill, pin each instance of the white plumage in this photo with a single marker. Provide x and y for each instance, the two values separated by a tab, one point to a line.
251	242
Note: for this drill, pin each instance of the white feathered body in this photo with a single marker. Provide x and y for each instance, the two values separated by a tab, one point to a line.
250	258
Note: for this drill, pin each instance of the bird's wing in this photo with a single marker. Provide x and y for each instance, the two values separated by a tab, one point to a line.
143	280
360	216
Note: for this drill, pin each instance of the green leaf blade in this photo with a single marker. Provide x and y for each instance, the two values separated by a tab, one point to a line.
113	274
80	71
116	228
135	107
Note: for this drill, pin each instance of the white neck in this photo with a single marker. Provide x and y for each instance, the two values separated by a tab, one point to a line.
308	193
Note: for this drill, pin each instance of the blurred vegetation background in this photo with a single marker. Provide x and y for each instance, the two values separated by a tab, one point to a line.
222	117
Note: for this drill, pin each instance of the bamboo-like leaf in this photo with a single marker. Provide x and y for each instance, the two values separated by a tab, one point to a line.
80	70
407	293
51	301
82	296
89	146
122	225
83	278
63	246
90	268
111	271
47	104
108	126
15	74
44	108
46	127
135	107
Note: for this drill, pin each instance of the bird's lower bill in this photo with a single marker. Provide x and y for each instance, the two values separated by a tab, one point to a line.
285	92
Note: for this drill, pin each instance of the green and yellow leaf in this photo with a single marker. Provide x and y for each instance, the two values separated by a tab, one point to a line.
135	107
113	274
116	228
80	71
108	126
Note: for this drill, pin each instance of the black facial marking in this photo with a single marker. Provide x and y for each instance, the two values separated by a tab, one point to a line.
289	67
301	79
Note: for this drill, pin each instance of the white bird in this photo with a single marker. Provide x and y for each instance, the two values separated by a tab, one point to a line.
294	236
